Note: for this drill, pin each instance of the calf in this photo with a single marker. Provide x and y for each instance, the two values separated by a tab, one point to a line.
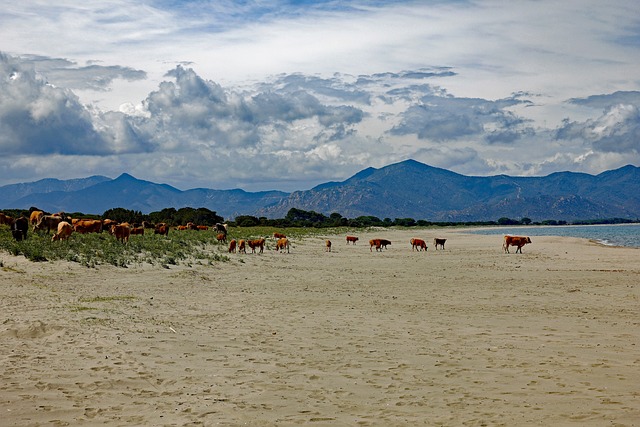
352	239
439	242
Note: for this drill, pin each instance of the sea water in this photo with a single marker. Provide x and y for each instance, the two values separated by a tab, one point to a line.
612	235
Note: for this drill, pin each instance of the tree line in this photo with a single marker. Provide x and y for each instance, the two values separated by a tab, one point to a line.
299	218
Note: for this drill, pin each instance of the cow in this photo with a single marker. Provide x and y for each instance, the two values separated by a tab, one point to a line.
192	226
352	239
64	231
255	244
221	237
242	249
221	228
181	227
277	235
34	218
232	246
19	228
84	226
48	222
161	229
147	224
107	223
5	219
202	227
379	244
138	231
327	246
121	232
282	244
418	244
518	241
439	242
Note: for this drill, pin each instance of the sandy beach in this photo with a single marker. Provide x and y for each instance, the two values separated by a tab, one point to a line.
466	336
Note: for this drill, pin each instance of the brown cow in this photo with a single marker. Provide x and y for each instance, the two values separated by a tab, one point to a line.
518	241
352	239
232	246
439	242
138	230
181	227
242	249
282	244
256	243
34	218
121	232
379	244
327	245
64	231
277	235
48	222
221	237
84	226
418	244
161	229
203	227
5	219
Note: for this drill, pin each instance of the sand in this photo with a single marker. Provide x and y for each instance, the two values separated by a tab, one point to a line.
462	336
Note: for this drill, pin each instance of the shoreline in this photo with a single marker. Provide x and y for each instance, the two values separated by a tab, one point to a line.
465	335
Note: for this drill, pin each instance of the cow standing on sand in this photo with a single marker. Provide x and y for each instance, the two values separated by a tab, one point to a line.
352	239
418	244
379	244
517	241
439	242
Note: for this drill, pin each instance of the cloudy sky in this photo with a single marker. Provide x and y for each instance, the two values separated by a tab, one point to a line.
286	94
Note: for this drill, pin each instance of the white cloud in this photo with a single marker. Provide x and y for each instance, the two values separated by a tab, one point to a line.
324	89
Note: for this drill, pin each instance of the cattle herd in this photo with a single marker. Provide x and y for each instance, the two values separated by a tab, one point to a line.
63	227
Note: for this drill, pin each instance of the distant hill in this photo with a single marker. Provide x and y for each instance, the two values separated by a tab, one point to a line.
408	189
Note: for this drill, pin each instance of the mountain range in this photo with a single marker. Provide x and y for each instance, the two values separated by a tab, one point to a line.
407	189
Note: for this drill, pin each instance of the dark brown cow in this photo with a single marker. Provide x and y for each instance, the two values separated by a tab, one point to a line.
327	245
19	228
277	235
352	239
48	222
439	242
418	244
518	241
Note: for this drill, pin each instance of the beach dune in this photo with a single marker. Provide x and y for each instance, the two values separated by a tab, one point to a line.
468	335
